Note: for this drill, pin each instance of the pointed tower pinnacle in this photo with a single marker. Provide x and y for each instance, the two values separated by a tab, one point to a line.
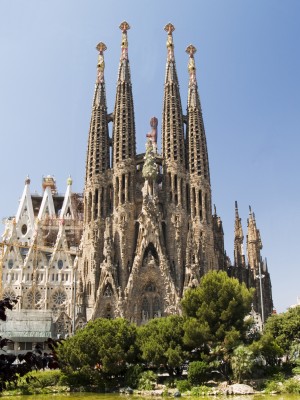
172	123
197	147
98	142
254	244
239	257
124	125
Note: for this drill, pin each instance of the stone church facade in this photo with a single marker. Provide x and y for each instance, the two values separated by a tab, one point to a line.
143	231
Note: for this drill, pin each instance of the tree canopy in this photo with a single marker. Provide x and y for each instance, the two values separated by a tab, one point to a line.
215	310
105	346
281	336
285	327
161	343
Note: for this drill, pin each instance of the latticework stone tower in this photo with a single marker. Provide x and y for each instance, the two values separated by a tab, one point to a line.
149	232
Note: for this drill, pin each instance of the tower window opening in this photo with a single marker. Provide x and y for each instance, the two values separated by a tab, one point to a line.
194	201
96	199
200	204
123	189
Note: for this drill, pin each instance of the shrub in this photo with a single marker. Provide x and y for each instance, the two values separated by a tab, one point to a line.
292	386
296	370
84	377
147	380
273	386
40	379
197	372
200	391
183	385
241	362
133	375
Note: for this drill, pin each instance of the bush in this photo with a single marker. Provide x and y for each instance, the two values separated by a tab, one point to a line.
296	370
241	362
183	385
200	391
197	372
133	375
147	380
37	381
85	377
274	387
292	386
41	379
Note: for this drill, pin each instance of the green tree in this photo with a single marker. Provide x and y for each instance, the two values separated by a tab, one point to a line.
241	362
268	348
198	372
104	348
281	336
215	310
285	329
161	343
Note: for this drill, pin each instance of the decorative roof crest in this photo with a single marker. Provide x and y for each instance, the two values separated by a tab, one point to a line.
191	50
101	47
170	45
124	26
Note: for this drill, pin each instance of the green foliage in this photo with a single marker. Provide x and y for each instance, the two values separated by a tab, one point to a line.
41	379
215	310
133	375
198	391
296	370
273	387
37	381
183	385
161	343
102	350
82	378
268	348
292	385
147	380
198	372
285	329
241	362
280	384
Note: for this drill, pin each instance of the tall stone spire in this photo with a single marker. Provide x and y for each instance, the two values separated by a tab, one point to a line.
174	167
239	257
98	143
254	244
172	124
197	147
97	190
124	124
208	231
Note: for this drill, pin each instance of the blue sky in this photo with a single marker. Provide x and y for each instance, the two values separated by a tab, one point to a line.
248	65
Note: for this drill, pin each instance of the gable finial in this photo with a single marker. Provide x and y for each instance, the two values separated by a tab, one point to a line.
101	47
191	50
124	26
170	45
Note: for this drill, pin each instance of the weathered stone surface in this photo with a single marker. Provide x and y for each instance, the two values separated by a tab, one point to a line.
239	388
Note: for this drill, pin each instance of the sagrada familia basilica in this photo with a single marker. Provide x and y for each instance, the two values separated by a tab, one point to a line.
142	232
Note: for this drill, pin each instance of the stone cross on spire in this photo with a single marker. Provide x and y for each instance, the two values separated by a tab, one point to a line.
124	26
101	47
170	45
191	50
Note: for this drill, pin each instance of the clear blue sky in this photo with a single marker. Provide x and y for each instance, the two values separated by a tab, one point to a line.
248	65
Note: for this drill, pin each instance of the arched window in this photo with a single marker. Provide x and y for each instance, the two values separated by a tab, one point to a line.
89	288
145	310
108	292
156	308
150	287
108	313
